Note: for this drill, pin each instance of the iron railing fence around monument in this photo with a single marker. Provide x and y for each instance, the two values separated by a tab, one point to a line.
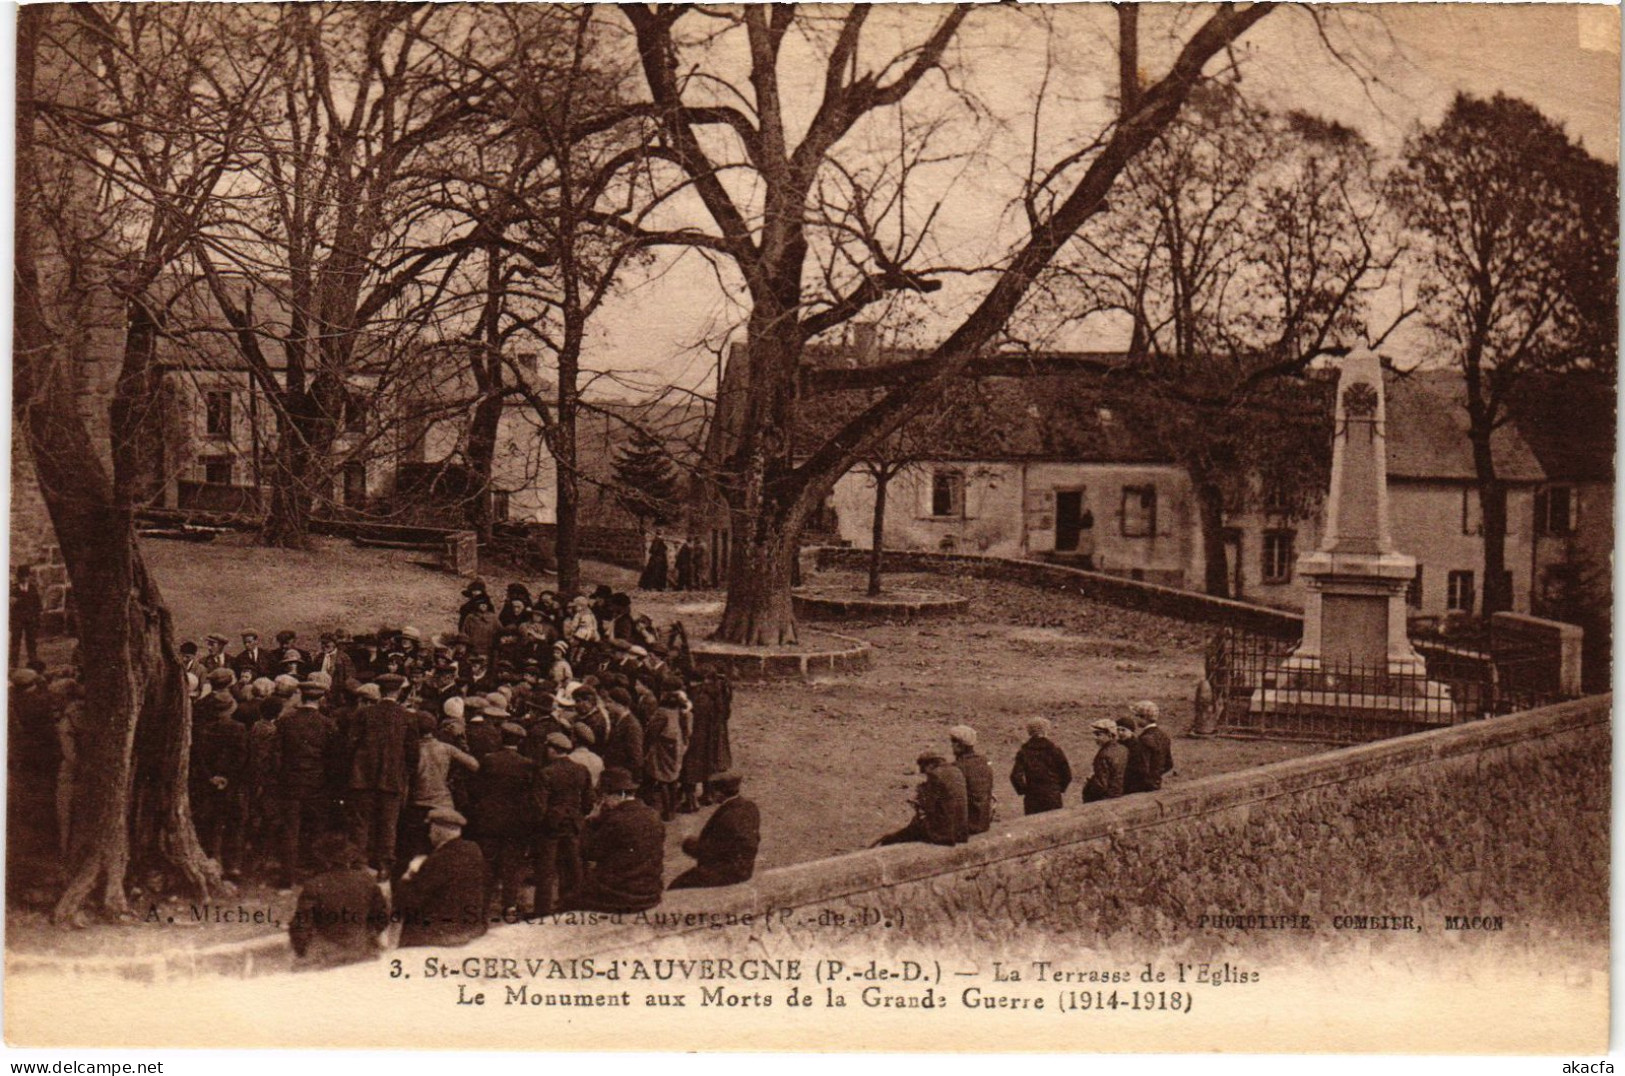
1256	691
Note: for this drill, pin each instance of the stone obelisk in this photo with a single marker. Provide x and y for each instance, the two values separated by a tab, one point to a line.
1354	613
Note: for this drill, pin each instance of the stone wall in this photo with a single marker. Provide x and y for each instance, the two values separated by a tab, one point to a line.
33	538
1095	586
1506	817
1543	655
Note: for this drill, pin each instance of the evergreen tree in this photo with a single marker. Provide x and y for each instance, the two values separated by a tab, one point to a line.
646	483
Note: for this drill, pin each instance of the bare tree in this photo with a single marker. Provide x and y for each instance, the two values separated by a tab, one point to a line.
334	232
558	190
1244	245
123	139
1518	234
719	130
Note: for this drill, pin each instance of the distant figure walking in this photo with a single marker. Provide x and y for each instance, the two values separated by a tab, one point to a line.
1155	757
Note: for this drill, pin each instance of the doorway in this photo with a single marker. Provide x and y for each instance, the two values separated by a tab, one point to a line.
1068	519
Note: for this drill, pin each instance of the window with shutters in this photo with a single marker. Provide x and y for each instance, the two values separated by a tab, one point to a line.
1461	595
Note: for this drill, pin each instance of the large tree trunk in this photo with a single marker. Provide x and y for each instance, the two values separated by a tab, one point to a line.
877	537
1210	512
765	517
759	610
566	536
1492	502
287	519
138	720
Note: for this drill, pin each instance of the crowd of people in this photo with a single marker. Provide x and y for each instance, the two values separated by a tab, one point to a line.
954	800
525	763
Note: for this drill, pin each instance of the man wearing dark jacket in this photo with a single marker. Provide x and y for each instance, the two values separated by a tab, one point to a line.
563	797
1111	763
504	812
252	655
26	612
1041	773
978	778
441	897
383	761
941	814
301	749
725	850
341	911
623	746
1156	752
626	847
221	800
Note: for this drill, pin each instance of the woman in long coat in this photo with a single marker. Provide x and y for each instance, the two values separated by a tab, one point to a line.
709	751
654	572
665	741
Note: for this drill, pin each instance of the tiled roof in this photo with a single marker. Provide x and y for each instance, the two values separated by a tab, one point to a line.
1068	417
1040	417
1427	432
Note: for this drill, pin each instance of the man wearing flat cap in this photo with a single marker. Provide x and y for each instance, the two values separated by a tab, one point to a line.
503	814
941	815
725	850
216	657
1042	773
482	732
978	778
301	755
441	897
1111	763
253	655
625	845
383	761
218	700
1152	755
563	795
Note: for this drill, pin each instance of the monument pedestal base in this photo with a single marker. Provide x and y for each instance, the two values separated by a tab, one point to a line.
1348	706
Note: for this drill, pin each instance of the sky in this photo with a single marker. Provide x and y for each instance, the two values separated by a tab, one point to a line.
1398	65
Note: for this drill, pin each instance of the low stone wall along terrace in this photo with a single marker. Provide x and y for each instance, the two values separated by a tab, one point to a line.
1503	820
1505	817
1094	586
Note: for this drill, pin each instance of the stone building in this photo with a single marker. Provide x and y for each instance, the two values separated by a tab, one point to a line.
1051	470
401	443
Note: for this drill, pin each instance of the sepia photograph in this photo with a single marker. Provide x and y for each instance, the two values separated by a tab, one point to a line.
860	527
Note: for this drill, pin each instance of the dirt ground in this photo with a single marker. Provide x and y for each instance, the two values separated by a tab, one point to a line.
830	763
